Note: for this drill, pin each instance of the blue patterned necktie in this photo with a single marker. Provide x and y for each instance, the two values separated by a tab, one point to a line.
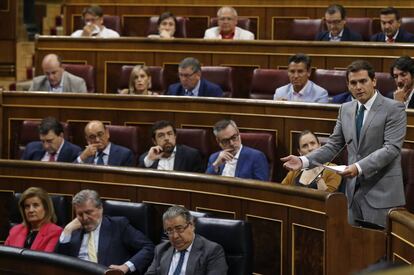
359	120
177	270
100	160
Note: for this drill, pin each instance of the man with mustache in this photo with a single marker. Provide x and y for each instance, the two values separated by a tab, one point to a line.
402	70
235	159
166	154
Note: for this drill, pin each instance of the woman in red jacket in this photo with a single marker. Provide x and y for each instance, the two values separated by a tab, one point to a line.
38	231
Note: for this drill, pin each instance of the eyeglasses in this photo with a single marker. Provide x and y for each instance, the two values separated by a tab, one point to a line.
177	229
99	135
186	75
233	138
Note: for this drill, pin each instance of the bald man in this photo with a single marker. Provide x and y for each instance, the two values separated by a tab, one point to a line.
227	27
56	79
101	151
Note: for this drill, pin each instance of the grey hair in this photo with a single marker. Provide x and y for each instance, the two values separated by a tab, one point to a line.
85	195
233	10
190	62
222	124
175	211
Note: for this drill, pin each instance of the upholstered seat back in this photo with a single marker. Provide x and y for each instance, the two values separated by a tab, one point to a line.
385	83
334	81
113	22
265	82
127	136
85	71
221	76
361	25
195	138
305	29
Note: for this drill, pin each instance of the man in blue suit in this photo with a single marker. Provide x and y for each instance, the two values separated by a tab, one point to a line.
110	241
236	160
191	83
335	23
391	28
52	146
100	150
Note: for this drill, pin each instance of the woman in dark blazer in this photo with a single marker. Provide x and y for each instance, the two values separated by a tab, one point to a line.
38	230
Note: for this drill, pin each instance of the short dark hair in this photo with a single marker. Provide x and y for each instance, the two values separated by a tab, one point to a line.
334	8
360	65
305	132
50	123
94	10
300	58
166	15
222	124
403	63
161	124
391	10
190	62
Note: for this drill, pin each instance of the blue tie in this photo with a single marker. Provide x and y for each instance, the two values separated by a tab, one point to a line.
177	270
100	160
359	120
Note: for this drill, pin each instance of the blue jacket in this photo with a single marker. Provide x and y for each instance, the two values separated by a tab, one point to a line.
402	37
347	35
252	164
34	151
207	88
118	156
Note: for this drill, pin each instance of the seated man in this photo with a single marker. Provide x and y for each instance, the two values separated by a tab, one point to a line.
56	79
186	252
100	150
227	27
236	160
316	178
402	70
93	18
300	87
391	28
191	83
110	241
335	16
52	145
166	154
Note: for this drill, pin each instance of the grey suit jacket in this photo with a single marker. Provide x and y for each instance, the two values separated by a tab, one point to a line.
378	151
71	83
206	257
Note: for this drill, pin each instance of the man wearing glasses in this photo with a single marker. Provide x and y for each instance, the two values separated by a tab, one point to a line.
235	159
227	27
335	23
100	150
191	83
186	252
93	18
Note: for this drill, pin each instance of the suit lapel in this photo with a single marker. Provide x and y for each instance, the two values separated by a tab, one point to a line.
194	257
63	153
178	162
371	114
112	155
202	89
165	260
353	112
105	238
239	162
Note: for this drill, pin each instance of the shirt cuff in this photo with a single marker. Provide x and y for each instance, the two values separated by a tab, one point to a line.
64	238
305	161
359	168
79	160
131	266
148	162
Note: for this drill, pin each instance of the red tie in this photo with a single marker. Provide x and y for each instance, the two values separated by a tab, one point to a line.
52	157
390	40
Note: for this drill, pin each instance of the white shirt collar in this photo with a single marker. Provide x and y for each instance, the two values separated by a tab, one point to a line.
336	38
369	103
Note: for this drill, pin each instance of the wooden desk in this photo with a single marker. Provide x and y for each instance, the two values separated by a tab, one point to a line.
400	234
294	229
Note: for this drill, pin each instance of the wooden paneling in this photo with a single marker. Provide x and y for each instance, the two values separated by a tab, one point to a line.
400	237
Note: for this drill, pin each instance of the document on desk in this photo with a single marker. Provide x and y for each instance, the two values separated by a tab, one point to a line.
336	169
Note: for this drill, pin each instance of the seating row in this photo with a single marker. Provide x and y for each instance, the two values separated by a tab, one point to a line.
234	235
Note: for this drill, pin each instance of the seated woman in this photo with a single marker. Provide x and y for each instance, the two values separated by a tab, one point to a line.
316	178
38	231
166	26
139	82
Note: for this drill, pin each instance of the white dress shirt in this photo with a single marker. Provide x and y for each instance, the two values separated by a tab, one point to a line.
163	163
46	156
229	169
176	258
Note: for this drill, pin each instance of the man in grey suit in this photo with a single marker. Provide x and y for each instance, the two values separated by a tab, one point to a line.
186	252
56	79
374	129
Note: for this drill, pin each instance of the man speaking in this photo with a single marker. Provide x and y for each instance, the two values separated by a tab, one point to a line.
374	129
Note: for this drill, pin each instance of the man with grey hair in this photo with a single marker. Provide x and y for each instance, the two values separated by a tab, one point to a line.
110	241
236	160
191	83
227	27
186	252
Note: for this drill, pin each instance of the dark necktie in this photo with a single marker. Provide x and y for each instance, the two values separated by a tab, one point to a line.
189	93
52	157
359	120
390	39
177	270
100	160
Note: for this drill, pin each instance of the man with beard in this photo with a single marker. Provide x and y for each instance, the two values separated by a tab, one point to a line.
109	241
391	28
402	70
236	160
166	154
100	150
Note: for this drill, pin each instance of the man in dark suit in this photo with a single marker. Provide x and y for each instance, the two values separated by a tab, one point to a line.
166	154
402	70
236	160
186	252
391	28
52	145
335	16
373	127
191	83
110	241
101	151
